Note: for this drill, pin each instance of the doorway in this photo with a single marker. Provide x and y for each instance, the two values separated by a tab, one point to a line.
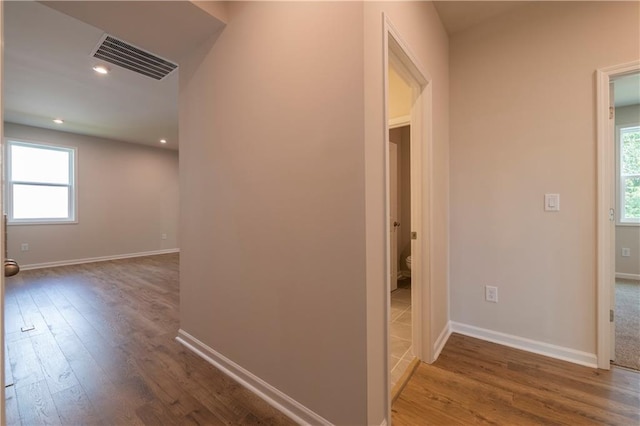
400	198
625	336
29	319
608	209
400	321
400	208
407	115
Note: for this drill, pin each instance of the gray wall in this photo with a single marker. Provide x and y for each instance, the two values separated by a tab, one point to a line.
628	236
127	198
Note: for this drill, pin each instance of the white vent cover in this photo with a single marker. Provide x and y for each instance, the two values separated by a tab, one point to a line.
125	55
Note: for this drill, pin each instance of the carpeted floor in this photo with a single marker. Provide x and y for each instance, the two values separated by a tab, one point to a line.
627	324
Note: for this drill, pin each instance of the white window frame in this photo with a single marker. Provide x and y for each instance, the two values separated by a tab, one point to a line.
621	220
72	186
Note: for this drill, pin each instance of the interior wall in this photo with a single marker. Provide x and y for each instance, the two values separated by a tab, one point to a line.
402	137
395	138
127	198
399	95
628	236
272	196
523	124
405	192
419	25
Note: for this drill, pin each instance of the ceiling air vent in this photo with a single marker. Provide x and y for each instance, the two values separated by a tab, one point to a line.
123	54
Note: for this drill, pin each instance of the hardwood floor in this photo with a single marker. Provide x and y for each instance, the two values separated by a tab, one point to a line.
480	382
103	351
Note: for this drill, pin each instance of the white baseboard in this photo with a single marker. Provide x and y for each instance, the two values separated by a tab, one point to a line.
95	259
628	276
441	341
277	399
541	348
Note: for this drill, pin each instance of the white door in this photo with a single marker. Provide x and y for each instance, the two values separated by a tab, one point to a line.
393	214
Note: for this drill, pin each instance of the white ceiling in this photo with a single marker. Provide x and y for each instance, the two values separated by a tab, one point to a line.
48	68
47	63
458	16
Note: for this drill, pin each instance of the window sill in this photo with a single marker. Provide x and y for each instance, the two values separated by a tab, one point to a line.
631	224
41	222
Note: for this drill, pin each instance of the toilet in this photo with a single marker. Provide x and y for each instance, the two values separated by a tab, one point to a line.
408	261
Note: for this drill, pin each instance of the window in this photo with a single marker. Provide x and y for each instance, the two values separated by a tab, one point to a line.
629	168
40	183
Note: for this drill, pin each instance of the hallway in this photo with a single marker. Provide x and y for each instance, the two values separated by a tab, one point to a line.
474	381
103	351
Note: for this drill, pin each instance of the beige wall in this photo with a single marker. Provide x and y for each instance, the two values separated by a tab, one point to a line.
127	198
522	125
272	196
405	192
628	236
272	123
420	27
399	95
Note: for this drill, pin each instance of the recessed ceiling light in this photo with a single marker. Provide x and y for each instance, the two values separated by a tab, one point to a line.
163	141
58	121
101	69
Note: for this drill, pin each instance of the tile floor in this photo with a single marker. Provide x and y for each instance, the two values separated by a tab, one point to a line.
400	330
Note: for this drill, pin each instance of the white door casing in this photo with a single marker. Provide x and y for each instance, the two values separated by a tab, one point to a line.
612	284
397	51
399	54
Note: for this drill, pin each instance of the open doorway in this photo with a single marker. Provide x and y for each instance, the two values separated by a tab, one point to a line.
625	339
400	325
608	208
408	97
400	224
91	175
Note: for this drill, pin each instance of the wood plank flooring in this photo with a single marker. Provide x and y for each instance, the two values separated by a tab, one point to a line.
480	382
103	352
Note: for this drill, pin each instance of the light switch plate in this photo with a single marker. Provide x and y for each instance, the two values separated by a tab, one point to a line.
552	202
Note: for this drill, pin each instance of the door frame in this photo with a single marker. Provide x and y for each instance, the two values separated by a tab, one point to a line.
397	51
605	205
